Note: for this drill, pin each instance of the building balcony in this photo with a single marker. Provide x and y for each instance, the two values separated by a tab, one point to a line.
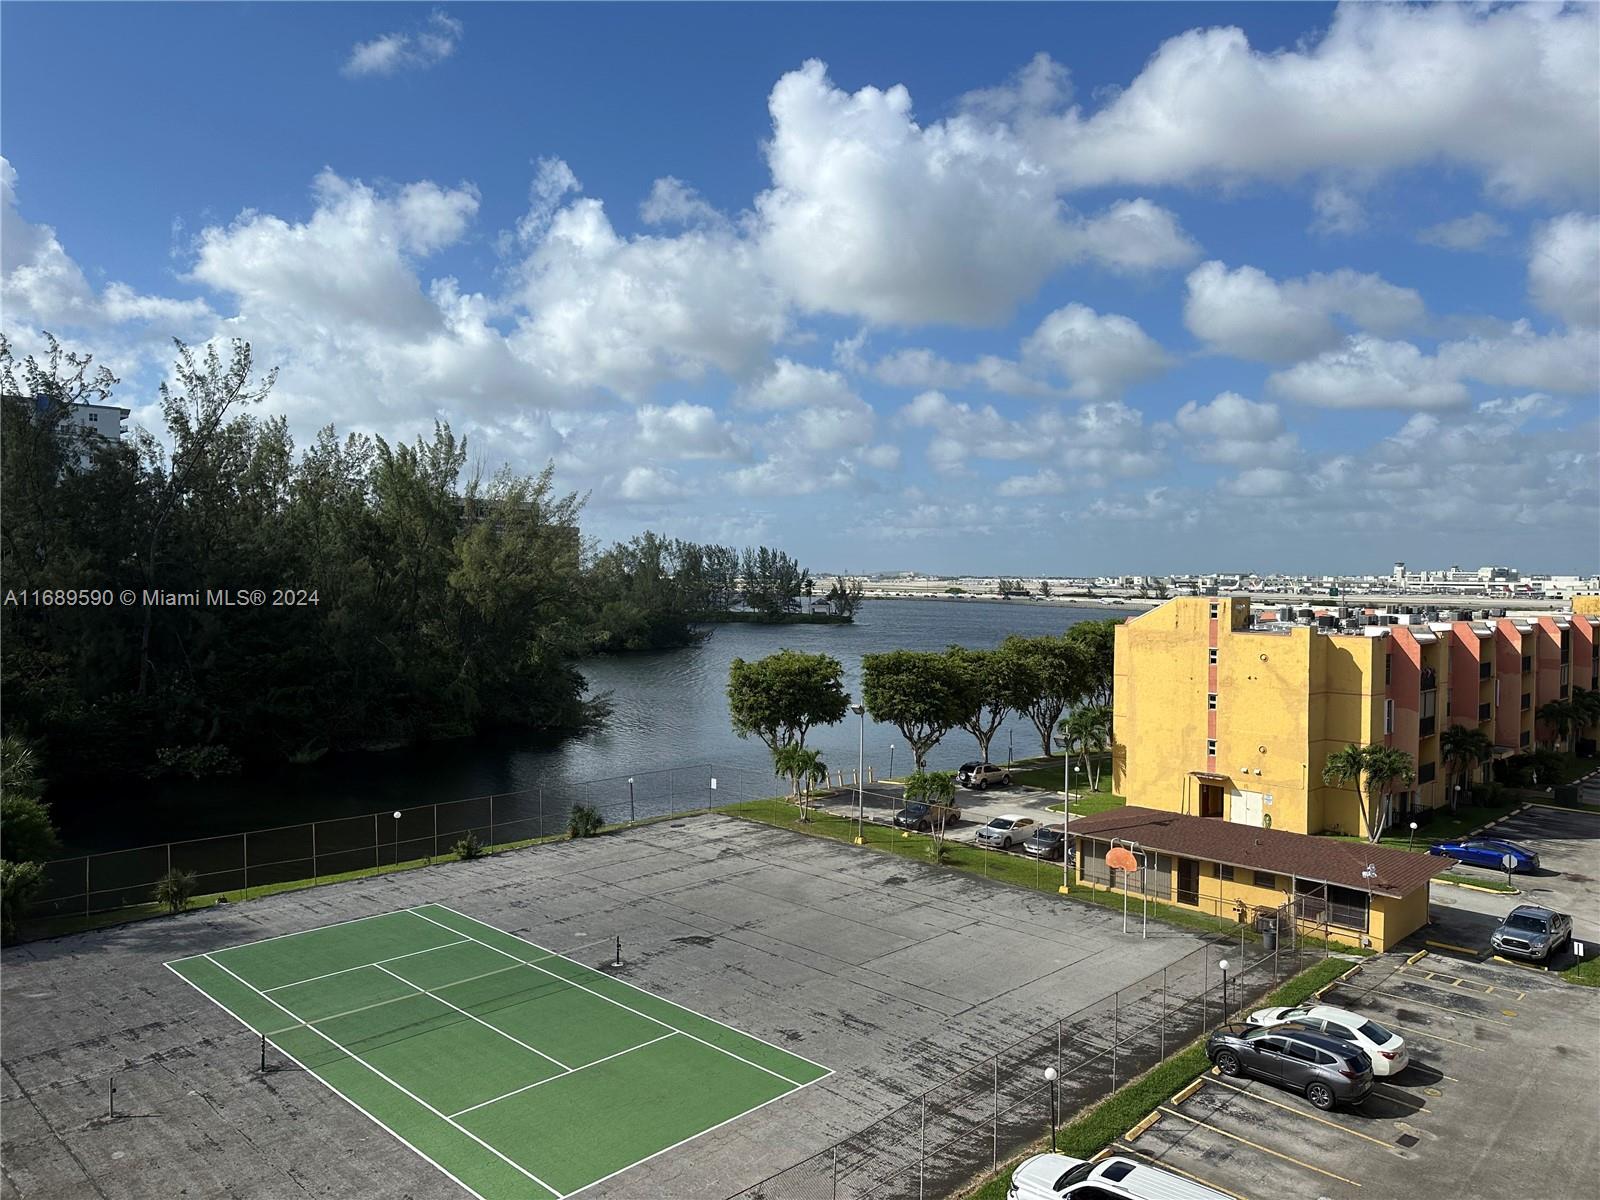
1485	669
1427	726
1485	712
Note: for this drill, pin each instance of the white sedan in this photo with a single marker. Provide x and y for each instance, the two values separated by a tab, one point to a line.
1007	831
1058	1177
1386	1049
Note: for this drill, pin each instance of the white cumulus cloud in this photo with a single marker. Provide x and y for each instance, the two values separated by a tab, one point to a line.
1564	269
416	49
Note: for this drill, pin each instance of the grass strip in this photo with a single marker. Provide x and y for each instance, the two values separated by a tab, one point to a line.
1487	885
1585	974
1088	1134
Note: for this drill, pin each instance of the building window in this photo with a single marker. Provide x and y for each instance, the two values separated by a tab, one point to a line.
1211	701
1425	772
1483	712
1485	668
1527	701
1525	738
1388	716
1388	668
1266	879
1347	908
1211	747
1527	663
1210	801
1225	872
1211	656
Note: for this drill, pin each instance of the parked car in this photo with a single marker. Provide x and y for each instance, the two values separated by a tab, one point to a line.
923	817
1385	1048
1532	931
1004	832
1047	842
1488	852
980	775
1326	1070
1116	1177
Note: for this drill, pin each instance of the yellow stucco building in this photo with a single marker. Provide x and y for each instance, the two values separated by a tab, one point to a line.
1218	714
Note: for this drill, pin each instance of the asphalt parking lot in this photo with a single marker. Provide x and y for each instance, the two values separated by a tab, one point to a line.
1568	844
880	801
1498	1099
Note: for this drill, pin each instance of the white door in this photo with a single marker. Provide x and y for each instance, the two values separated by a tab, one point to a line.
1247	808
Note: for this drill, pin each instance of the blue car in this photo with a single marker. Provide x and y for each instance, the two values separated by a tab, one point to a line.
1490	853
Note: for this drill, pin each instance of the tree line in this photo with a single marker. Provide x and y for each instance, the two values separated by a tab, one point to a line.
1062	684
378	594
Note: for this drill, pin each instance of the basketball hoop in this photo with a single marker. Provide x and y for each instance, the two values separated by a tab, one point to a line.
1121	858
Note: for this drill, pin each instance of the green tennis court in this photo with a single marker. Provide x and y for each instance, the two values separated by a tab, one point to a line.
517	1071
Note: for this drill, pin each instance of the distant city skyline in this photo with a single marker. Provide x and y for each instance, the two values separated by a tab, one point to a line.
1089	289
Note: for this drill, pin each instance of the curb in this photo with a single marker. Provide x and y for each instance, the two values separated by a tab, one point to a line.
1525	966
1142	1126
1503	817
1188	1089
1475	955
1478	887
1415	958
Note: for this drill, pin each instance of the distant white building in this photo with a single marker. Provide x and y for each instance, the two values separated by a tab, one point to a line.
86	425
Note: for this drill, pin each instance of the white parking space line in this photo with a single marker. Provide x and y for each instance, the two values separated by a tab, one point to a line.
1130	1152
1289	1108
1257	1145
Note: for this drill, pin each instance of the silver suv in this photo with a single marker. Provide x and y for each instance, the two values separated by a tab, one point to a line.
979	776
1532	931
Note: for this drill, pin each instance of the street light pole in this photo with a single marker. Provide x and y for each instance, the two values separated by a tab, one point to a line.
1224	965
1050	1077
891	760
397	837
1411	835
860	710
630	799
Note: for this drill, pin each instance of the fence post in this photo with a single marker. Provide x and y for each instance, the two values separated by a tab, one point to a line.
313	853
994	1127
1163	1013
247	865
922	1146
1116	1034
836	1170
1205	988
1058	1047
169	858
436	829
491	820
86	885
541	812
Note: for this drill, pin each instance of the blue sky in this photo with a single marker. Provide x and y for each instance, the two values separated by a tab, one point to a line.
1057	289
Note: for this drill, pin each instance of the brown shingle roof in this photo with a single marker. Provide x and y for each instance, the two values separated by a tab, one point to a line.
1325	860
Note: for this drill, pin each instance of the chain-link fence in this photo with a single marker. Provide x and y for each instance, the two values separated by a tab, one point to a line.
967	1125
242	862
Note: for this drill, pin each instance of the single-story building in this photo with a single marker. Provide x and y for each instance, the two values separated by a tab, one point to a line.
1347	891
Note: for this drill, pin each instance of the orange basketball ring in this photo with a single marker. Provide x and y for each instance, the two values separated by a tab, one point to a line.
1121	859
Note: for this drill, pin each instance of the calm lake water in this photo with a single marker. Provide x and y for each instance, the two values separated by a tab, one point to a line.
670	710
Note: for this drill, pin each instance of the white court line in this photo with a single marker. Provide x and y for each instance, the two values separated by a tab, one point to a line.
472	1017
350	1012
693	1136
394	912
628	1008
528	1087
346	970
659	999
397	1087
432	1163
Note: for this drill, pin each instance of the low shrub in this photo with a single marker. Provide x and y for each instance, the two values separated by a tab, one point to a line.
468	848
175	889
584	822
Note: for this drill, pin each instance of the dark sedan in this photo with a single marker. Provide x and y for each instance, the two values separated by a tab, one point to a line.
1488	852
923	817
1047	842
1324	1069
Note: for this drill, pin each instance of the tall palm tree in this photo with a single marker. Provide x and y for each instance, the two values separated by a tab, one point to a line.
1087	730
1559	717
936	789
1372	771
1586	709
1463	747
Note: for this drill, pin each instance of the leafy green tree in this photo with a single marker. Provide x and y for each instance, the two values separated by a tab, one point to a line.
1464	748
923	694
845	597
773	582
26	832
584	821
1372	771
995	691
1586	709
1087	729
780	698
1052	675
936	789
1098	641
